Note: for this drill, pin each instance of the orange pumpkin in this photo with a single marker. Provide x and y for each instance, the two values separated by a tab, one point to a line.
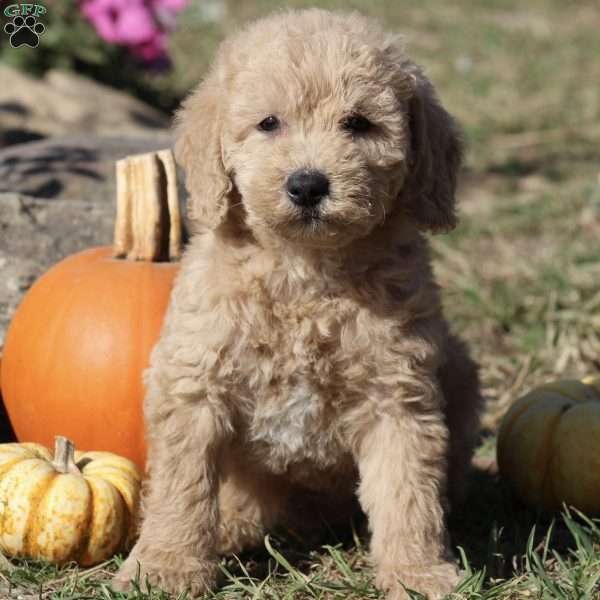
80	339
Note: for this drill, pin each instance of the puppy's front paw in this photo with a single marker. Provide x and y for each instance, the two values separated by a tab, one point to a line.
433	581
171	573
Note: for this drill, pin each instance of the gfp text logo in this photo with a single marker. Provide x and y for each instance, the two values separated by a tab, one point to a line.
24	28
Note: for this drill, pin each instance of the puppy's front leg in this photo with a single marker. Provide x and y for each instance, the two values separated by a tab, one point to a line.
402	464
176	548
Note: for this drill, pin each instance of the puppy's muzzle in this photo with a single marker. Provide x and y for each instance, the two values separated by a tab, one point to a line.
307	187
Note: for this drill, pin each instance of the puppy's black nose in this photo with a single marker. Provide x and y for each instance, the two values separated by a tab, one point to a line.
306	187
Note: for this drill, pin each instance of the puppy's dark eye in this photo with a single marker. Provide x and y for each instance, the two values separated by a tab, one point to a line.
357	124
269	124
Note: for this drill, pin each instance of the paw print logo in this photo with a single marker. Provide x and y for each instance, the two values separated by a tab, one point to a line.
24	31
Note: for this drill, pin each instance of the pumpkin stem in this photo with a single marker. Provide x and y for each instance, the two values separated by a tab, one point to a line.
64	456
148	220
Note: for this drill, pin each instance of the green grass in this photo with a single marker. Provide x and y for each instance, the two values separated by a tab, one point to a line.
561	564
520	278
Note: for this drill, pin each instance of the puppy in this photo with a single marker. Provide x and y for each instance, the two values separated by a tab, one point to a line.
304	349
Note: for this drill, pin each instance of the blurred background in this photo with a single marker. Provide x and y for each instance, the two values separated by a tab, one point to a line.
520	275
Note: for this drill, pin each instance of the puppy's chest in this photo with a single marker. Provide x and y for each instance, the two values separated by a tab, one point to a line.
297	394
296	423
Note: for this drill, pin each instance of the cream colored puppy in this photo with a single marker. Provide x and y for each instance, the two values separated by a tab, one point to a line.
304	348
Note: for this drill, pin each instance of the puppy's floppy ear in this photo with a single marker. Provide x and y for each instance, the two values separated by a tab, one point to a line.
198	148
436	153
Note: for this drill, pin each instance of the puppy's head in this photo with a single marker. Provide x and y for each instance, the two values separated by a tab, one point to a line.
320	127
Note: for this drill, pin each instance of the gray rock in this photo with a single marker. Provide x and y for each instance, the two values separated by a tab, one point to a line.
72	167
36	233
63	102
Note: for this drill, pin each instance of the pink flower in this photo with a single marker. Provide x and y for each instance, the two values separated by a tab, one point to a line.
136	25
141	25
151	50
115	20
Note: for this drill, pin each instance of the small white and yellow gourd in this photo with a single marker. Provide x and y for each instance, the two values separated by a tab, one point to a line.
77	506
549	445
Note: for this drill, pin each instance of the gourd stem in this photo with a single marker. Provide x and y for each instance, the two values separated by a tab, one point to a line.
148	219
64	456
